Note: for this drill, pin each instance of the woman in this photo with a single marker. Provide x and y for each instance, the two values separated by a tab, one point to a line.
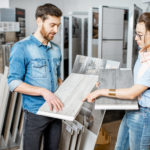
134	132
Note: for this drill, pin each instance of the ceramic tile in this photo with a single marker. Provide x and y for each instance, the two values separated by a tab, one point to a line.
71	93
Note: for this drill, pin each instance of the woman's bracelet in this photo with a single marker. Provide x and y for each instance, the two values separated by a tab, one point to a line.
112	92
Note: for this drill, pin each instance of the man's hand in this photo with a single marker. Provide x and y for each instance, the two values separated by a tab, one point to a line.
52	100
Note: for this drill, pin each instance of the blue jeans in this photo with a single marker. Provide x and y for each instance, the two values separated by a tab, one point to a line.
35	126
134	131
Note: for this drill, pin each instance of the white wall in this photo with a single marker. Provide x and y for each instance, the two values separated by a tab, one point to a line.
4	4
66	6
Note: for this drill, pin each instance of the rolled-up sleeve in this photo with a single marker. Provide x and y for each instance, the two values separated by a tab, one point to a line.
16	66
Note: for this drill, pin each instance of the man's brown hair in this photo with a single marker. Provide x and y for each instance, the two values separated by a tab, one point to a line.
47	9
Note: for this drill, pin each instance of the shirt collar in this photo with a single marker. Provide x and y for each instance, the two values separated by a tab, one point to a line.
49	44
39	43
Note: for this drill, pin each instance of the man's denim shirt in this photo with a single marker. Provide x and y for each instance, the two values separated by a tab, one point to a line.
35	64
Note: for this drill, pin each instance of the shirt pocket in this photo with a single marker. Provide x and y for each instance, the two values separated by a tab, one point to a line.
39	68
56	64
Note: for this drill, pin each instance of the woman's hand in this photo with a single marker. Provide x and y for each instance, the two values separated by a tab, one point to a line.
97	84
92	96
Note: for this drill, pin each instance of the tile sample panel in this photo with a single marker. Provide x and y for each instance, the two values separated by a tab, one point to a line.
71	93
91	65
120	78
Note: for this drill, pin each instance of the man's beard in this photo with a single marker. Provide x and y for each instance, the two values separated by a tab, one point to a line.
46	35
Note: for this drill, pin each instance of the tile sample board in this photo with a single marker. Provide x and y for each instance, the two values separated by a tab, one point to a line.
4	96
66	136
71	93
9	118
91	65
114	79
90	135
89	140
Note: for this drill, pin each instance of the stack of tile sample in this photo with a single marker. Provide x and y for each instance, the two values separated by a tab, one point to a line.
81	134
89	118
4	56
82	123
11	115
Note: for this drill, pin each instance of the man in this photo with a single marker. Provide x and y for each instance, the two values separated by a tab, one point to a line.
34	71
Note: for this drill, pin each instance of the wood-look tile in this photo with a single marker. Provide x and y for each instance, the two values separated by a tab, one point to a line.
4	95
110	64
91	65
16	117
9	117
71	93
1	59
80	136
20	128
66	136
88	140
74	140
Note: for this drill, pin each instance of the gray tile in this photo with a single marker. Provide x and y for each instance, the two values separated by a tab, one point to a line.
74	140
91	65
16	118
98	116
78	130
9	117
4	95
66	136
105	103
107	78
110	64
88	140
122	79
71	93
80	136
84	64
20	127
